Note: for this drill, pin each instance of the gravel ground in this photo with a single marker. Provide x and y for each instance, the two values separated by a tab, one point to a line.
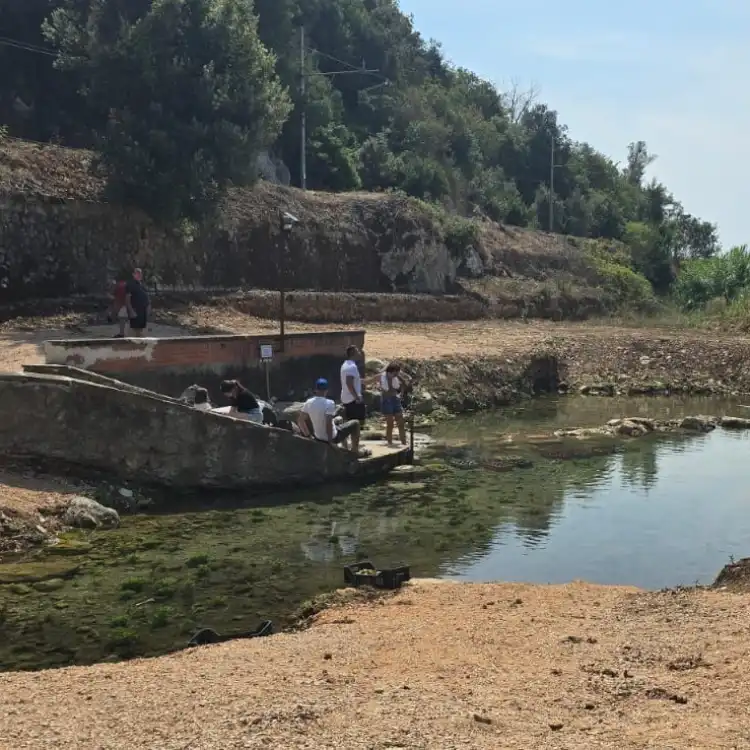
440	665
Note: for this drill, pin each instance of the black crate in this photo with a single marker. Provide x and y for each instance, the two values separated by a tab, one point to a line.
392	578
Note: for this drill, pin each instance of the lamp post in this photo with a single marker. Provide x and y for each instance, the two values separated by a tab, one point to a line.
288	222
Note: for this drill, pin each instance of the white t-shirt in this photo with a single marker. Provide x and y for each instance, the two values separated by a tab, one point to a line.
349	368
384	383
318	409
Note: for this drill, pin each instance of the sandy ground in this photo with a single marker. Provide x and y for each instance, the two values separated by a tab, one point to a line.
20	342
438	666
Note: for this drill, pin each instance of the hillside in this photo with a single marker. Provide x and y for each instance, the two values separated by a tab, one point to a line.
367	242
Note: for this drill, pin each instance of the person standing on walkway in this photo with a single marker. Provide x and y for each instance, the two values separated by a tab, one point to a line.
119	311
392	382
351	387
138	303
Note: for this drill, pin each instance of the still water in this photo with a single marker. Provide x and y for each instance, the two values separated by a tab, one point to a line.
662	512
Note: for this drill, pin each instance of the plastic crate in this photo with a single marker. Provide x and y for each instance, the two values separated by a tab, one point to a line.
390	578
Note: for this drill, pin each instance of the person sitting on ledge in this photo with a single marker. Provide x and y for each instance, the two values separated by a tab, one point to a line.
316	420
197	397
201	401
244	405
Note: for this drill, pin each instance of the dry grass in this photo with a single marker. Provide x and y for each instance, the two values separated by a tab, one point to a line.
438	666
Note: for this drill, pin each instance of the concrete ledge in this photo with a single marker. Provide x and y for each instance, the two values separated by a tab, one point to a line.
148	439
195	352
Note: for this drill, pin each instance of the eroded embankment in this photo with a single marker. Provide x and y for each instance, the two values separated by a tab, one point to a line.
435	666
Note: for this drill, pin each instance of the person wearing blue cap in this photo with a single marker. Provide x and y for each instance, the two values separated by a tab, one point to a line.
316	419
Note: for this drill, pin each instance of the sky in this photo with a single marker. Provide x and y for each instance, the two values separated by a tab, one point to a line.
673	73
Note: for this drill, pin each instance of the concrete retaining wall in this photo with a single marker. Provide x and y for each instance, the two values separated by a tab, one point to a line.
168	365
146	439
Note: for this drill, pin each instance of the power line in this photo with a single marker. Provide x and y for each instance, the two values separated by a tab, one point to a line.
26	47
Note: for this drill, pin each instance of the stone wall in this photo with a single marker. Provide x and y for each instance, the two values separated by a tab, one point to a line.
146	439
52	247
56	248
332	307
169	365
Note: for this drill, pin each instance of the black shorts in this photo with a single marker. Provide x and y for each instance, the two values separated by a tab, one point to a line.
139	322
355	410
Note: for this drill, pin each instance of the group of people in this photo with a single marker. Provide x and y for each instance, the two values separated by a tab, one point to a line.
318	418
243	404
131	305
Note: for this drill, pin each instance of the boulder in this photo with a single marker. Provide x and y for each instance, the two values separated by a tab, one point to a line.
735	423
423	403
372	400
698	423
292	411
629	428
374	366
84	513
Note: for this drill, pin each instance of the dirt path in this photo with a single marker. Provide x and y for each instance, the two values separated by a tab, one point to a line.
439	666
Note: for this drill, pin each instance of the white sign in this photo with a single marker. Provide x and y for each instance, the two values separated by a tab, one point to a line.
266	351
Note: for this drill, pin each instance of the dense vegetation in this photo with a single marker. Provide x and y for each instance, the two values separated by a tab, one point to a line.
177	97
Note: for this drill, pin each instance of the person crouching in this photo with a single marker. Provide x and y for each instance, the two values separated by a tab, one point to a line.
316	420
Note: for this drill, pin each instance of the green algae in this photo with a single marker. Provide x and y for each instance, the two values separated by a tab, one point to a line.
143	589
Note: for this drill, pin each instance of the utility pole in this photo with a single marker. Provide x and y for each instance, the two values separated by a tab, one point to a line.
552	185
303	109
348	69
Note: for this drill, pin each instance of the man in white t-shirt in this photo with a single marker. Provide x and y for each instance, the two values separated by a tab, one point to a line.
351	387
316	420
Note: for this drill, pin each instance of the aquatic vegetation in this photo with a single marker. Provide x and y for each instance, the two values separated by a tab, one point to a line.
148	586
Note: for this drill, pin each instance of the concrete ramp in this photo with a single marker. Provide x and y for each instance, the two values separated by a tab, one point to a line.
97	423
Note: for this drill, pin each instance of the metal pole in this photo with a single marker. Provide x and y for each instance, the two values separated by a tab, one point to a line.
282	314
411	438
303	112
552	185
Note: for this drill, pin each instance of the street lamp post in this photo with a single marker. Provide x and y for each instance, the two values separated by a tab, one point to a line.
288	222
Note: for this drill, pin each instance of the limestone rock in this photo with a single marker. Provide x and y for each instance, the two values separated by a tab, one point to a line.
372	400
735	423
292	411
422	402
698	423
630	429
84	513
374	366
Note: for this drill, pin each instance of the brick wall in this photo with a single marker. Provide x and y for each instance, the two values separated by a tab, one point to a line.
214	354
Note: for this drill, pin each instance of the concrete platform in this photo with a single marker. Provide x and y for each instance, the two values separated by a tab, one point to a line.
384	457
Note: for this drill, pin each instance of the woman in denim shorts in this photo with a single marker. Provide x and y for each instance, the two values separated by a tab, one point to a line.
392	382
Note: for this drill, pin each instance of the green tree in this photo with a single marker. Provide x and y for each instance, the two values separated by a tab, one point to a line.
179	95
189	91
651	253
724	277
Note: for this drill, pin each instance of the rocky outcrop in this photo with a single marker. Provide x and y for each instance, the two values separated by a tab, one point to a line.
638	426
85	513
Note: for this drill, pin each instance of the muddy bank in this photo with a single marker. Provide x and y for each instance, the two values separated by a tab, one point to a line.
435	666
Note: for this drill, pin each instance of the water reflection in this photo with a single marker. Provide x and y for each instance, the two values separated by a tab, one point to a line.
658	512
663	513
